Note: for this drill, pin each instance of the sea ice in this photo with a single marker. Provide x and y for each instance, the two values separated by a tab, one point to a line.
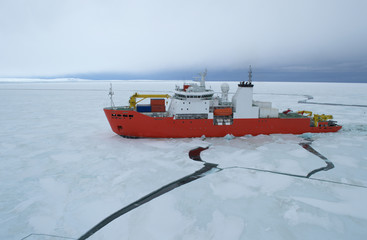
64	170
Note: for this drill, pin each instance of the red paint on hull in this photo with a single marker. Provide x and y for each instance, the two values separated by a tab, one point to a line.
139	125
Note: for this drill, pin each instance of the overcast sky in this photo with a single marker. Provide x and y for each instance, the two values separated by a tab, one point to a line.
66	37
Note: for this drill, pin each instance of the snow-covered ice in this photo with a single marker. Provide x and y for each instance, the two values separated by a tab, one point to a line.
63	170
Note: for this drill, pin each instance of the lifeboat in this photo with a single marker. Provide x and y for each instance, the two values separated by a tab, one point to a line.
223	112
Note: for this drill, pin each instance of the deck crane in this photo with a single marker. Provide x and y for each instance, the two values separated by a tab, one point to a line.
133	98
321	118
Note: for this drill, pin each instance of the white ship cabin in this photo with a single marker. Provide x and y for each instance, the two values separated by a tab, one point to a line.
194	101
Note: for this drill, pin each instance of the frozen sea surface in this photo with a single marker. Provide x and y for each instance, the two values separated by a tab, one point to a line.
63	170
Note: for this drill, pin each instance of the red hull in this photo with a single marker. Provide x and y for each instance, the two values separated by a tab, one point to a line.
136	124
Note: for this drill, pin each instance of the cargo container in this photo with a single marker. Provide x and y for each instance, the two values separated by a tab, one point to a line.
143	108
159	102
158	108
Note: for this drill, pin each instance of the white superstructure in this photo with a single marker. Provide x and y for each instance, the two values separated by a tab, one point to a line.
194	101
242	102
191	101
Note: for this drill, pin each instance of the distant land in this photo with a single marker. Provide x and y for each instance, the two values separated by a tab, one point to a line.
225	75
233	75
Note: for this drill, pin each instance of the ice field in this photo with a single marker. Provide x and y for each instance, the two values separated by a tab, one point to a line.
63	170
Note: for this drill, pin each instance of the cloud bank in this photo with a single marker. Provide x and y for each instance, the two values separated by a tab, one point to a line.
65	37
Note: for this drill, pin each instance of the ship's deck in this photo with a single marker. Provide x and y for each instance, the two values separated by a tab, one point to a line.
121	108
291	115
165	114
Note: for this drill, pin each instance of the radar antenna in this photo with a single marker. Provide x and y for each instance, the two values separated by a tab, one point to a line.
111	93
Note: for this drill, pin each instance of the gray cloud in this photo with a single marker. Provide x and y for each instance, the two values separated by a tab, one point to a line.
42	37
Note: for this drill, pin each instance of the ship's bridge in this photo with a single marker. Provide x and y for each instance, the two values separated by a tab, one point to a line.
182	94
192	101
190	104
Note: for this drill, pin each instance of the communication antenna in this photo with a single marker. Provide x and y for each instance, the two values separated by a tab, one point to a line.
203	75
111	93
249	74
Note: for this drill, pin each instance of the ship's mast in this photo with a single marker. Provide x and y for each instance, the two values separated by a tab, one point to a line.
111	93
202	81
249	74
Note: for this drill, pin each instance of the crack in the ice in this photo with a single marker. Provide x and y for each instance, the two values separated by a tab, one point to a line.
305	101
194	154
47	235
329	164
309	97
202	172
208	168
